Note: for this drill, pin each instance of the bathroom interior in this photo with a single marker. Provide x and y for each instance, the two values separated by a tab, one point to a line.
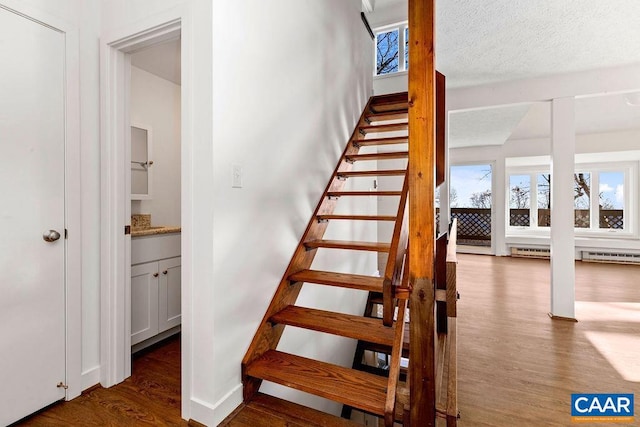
155	106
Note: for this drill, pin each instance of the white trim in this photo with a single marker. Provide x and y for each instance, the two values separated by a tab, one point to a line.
494	214
115	210
90	377
115	341
389	75
210	415
73	201
368	5
587	83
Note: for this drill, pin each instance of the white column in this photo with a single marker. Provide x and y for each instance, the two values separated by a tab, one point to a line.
498	211
563	147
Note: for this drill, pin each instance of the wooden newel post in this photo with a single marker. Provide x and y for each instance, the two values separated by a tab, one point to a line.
422	211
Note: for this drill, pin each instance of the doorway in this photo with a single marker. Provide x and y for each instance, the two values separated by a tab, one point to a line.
116	190
154	183
470	198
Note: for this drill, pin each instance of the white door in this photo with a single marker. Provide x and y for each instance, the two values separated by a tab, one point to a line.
32	285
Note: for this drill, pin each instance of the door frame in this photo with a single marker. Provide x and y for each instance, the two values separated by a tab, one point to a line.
72	191
115	269
491	250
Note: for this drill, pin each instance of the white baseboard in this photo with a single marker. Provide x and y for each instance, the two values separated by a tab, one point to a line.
90	378
212	415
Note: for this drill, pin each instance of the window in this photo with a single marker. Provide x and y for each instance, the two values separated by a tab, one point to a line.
519	213
611	199
406	48
544	199
470	201
594	211
582	200
392	44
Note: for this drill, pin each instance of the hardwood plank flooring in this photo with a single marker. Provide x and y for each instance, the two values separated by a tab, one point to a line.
516	366
151	396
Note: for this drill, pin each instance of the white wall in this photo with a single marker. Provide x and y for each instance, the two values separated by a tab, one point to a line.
284	114
287	93
155	102
391	83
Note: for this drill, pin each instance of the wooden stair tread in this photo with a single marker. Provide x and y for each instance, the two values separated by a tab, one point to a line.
291	414
344	325
359	217
381	141
383	128
363	193
348	386
353	281
349	244
390	102
387	172
378	156
401	114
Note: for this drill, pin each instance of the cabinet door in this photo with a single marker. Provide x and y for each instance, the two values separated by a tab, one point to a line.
144	301
169	304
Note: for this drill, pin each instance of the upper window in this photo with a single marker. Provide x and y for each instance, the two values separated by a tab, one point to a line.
392	49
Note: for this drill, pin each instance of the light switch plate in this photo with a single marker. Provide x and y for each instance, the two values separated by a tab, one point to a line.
236	176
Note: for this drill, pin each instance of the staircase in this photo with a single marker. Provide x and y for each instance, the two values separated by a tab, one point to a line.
383	123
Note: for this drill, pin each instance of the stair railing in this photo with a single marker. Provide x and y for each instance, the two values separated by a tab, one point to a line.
392	287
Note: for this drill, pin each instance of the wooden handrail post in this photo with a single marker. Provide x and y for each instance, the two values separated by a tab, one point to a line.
422	211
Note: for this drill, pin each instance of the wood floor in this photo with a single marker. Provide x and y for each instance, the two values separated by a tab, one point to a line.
151	396
516	366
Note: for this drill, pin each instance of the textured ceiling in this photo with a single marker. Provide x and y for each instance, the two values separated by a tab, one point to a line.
487	41
493	126
484	127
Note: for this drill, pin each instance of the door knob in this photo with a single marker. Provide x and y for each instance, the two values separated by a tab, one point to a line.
50	236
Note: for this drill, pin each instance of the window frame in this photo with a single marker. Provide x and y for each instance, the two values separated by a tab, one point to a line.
630	203
402	28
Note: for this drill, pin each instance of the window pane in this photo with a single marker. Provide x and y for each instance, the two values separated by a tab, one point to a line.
387	52
544	199
582	199
519	199
406	48
611	200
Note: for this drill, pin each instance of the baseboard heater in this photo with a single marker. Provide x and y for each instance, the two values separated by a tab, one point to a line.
611	257
543	253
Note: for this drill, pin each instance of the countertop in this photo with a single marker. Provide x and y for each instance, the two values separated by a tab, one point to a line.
150	231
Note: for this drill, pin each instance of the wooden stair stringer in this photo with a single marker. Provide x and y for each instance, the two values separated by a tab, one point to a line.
268	335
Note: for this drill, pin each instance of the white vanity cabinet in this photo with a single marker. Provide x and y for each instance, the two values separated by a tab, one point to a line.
155	287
